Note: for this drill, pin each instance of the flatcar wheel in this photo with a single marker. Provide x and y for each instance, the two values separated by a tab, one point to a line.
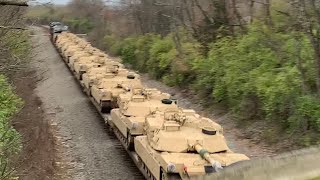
80	74
129	142
105	106
110	126
89	92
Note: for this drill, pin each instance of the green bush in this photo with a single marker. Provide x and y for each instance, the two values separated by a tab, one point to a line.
142	54
80	25
162	53
128	50
10	143
254	74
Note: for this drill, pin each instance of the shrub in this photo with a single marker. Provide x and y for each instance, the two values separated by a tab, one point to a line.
142	55
10	144
256	75
162	53
128	49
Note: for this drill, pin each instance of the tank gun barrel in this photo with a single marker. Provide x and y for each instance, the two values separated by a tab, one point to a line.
206	155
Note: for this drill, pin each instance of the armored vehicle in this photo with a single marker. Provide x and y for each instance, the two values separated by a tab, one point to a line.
106	91
87	50
85	63
69	50
128	120
182	144
95	74
76	56
63	39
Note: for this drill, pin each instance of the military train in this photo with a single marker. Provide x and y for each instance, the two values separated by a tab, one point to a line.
164	140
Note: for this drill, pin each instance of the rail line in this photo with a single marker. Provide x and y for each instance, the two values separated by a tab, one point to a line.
151	169
106	118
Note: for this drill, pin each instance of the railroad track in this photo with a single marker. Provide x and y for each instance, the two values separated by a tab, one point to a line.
106	118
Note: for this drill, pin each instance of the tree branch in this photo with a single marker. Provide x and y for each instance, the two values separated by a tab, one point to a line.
13	3
10	27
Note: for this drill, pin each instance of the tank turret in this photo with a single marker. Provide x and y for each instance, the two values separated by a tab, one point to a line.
106	91
62	40
76	56
69	49
85	63
182	143
128	120
95	74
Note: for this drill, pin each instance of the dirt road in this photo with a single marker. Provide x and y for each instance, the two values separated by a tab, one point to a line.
87	149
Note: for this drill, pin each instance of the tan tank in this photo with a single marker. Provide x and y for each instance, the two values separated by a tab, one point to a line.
106	91
134	106
95	74
62	41
71	49
85	63
182	144
76	56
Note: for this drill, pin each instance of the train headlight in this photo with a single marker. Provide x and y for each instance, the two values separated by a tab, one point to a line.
171	167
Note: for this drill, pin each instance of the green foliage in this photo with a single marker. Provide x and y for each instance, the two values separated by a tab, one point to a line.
113	44
142	54
307	114
256	75
127	50
80	25
159	56
162	53
263	74
10	144
18	44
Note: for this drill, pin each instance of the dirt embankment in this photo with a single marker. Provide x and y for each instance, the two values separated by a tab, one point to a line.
38	155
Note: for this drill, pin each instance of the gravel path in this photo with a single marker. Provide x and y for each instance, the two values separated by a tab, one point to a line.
88	149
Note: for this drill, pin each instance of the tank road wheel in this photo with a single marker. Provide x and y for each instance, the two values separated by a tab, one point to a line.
129	142
105	106
110	126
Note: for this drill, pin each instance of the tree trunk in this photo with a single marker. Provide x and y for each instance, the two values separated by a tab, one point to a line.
304	84
251	6
237	15
13	3
316	47
269	21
